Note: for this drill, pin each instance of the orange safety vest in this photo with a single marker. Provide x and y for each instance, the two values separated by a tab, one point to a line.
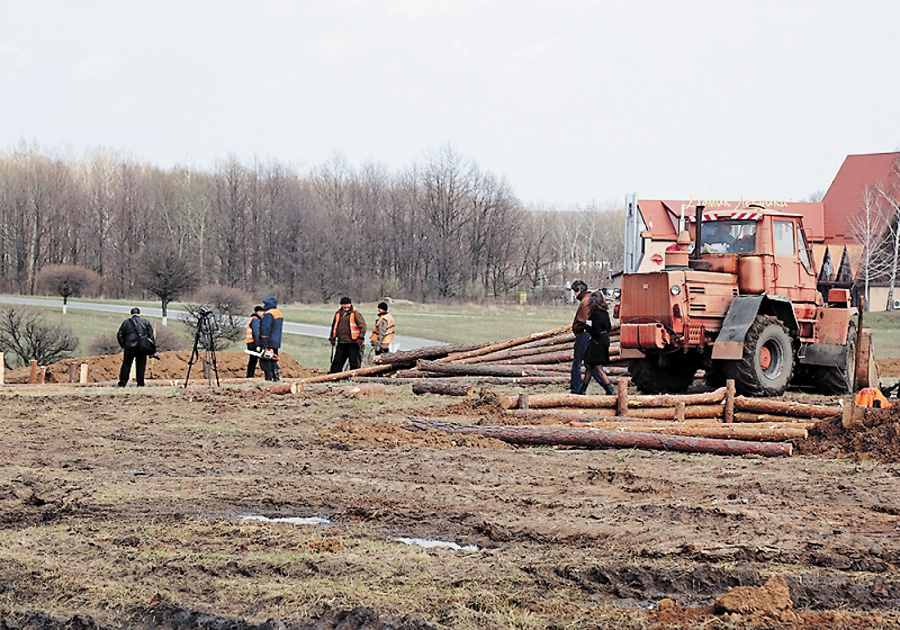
387	321
249	337
354	329
868	395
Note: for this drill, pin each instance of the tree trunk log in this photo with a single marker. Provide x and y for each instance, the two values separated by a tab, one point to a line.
656	413
663	400
715	429
543	367
428	352
592	438
745	416
441	386
477	370
561	338
337	376
549	357
515	353
784	408
502	345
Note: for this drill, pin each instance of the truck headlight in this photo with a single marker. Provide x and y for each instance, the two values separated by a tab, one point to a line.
675	290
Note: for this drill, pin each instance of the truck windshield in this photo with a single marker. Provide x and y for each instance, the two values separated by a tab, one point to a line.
728	237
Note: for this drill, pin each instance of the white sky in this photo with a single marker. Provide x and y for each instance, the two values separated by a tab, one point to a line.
572	101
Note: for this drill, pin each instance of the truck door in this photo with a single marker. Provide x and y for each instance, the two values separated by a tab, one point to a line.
787	263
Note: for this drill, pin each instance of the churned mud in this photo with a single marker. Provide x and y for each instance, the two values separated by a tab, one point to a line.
233	508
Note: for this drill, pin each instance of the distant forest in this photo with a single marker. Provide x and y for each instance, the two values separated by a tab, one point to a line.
441	229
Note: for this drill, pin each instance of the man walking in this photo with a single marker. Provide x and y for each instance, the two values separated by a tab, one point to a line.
383	333
129	337
348	333
270	339
582	336
252	339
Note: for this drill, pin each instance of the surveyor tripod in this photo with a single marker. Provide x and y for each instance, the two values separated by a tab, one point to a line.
206	323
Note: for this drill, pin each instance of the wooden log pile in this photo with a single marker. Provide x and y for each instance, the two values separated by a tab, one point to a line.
540	358
711	422
717	415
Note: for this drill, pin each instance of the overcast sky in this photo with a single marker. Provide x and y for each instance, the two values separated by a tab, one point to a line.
571	101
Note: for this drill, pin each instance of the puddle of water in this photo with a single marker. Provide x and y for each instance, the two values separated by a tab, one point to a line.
293	520
430	544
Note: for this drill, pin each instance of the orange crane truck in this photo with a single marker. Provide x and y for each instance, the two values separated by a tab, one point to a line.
740	300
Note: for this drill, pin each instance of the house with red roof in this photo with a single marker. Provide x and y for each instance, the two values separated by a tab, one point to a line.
654	224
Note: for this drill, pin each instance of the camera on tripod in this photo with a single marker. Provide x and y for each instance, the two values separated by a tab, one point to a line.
205	340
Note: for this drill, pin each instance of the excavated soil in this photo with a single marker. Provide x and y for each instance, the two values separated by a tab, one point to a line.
170	366
234	508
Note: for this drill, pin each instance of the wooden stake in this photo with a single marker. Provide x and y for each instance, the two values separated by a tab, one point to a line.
729	401
622	397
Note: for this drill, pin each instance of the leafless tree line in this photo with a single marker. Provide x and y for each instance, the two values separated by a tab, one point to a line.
440	229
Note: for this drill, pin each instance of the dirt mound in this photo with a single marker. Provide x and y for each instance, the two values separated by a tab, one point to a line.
487	404
171	366
766	606
877	436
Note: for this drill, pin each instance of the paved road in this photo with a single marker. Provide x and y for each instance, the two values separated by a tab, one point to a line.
404	342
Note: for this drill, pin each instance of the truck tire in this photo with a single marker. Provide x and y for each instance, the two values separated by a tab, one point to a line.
839	380
768	362
650	377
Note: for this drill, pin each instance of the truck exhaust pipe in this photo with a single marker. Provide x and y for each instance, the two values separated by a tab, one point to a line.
698	218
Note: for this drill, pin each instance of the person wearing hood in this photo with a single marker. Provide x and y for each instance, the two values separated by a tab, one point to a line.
270	338
348	333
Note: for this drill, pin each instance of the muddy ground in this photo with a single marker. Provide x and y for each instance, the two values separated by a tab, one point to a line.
168	508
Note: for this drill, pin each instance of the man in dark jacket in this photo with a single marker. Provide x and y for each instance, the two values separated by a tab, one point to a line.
348	332
129	338
270	339
582	338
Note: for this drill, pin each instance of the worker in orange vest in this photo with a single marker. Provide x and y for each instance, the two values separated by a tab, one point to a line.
872	397
348	334
252	338
383	333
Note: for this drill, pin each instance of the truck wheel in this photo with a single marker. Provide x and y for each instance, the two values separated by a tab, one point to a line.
768	362
650	377
839	380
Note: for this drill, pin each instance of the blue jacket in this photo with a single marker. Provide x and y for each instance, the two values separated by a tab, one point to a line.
271	324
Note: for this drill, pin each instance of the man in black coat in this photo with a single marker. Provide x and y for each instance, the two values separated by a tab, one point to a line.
129	338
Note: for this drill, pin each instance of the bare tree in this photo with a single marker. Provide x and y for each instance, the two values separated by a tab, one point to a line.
870	229
892	197
67	280
166	275
29	337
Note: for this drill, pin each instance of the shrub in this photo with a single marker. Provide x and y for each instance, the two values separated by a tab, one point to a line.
27	336
104	343
166	341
